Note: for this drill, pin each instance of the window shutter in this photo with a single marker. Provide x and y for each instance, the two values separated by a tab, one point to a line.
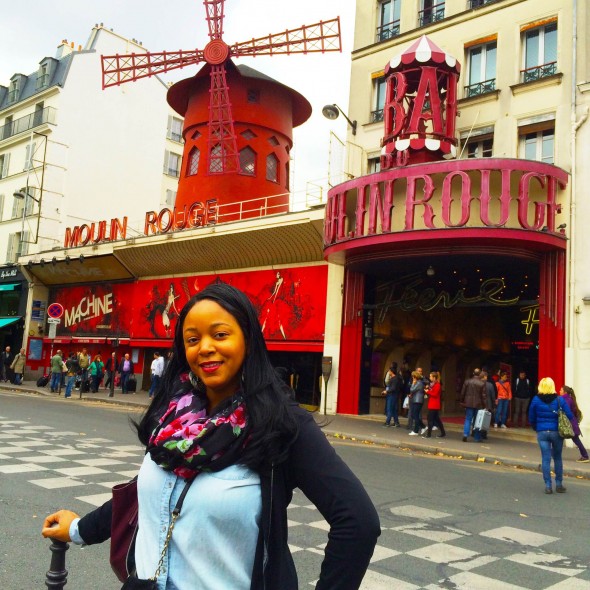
166	161
29	156
5	165
169	131
1	206
24	244
10	250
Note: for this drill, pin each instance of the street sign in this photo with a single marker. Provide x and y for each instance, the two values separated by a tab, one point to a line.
53	321
55	310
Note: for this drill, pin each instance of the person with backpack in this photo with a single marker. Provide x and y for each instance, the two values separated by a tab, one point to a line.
393	388
567	394
72	371
84	363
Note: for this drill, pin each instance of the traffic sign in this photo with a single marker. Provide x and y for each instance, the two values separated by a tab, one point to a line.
55	310
53	320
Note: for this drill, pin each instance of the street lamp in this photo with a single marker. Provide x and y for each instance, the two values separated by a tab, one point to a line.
331	111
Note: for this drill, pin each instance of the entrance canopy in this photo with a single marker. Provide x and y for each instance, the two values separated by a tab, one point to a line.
8	321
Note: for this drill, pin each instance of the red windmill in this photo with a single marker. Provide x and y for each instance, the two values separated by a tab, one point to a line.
222	146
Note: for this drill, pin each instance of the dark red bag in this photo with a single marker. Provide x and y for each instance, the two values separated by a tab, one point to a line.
124	529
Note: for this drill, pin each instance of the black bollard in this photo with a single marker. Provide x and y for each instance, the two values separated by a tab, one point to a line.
57	576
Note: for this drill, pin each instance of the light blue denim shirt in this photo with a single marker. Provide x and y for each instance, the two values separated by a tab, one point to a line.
214	539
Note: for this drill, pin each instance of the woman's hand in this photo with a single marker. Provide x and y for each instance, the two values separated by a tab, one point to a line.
57	525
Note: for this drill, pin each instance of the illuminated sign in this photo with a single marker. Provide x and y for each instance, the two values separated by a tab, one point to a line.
532	319
88	308
199	214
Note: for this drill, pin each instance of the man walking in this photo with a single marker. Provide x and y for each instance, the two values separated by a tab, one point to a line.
522	396
472	398
84	363
56	371
126	370
18	366
111	369
5	362
157	369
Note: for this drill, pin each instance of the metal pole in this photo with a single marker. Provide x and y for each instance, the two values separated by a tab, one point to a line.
57	576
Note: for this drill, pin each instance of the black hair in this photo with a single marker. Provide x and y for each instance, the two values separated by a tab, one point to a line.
273	425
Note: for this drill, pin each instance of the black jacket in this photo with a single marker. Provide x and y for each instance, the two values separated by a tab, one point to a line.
314	467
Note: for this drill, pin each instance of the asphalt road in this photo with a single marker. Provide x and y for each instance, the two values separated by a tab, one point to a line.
446	523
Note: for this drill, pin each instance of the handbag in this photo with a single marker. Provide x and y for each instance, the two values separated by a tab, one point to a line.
564	426
124	529
406	403
135	583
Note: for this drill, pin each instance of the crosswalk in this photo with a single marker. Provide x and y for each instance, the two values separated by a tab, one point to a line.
419	548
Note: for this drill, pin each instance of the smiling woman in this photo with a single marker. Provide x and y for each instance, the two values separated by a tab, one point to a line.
224	422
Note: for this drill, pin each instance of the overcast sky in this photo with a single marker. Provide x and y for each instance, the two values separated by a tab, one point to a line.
32	29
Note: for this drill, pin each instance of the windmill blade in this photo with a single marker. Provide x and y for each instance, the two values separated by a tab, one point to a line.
319	37
215	15
118	69
222	144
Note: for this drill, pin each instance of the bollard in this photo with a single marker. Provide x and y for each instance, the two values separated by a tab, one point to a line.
57	576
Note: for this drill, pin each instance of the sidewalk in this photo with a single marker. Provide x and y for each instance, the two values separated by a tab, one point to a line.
513	447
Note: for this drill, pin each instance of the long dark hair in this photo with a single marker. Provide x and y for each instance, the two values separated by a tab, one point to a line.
273	425
570	391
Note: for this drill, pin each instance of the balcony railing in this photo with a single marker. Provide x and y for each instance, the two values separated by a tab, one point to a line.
431	15
388	31
479	3
42	81
538	72
376	116
47	115
480	88
172	171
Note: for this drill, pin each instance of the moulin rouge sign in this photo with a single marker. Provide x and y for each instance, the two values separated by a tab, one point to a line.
199	214
417	176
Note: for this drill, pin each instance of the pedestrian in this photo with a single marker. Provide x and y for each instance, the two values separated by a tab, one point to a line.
157	369
96	371
543	414
503	400
111	369
84	363
126	369
567	393
434	407
5	362
73	368
245	447
393	388
522	397
472	398
416	403
18	367
56	372
491	394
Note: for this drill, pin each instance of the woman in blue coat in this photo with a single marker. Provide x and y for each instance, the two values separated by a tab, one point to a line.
543	413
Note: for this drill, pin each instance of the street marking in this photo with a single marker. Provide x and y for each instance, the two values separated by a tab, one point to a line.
95	499
98	462
63	451
522	537
44	459
471	581
418	512
441	553
55	483
80	471
420	529
548	561
21	468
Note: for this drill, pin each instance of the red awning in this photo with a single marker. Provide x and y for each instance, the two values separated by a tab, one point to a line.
64	340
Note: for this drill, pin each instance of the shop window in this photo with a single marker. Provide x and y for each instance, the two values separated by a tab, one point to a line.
432	11
378	100
248	161
193	161
537	144
272	168
172	164
389	13
539	47
174	129
481	61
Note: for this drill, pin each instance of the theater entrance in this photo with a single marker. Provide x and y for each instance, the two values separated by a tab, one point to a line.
449	314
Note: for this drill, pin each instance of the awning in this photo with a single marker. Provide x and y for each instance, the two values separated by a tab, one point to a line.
7	321
9	286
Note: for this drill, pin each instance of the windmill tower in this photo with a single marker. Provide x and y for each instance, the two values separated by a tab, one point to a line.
239	123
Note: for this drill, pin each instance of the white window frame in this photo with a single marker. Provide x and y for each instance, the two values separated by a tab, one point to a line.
169	159
538	144
174	132
170	198
379	89
479	143
485	48
390	28
4	164
541	48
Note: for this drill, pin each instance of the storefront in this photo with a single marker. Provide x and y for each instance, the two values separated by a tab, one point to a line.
449	264
13	301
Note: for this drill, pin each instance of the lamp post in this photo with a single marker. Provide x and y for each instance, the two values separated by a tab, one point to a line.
331	111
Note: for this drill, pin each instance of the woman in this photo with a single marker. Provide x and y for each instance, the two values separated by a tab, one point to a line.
434	406
393	387
567	393
503	400
416	403
543	419
221	413
96	373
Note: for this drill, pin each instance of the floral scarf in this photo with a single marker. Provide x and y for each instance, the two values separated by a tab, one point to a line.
188	441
